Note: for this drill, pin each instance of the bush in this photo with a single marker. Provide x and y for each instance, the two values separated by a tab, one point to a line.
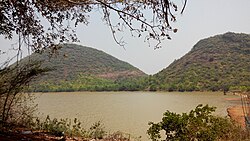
68	128
198	124
97	131
60	127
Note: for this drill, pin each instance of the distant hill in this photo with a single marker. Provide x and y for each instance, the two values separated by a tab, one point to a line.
77	67
216	63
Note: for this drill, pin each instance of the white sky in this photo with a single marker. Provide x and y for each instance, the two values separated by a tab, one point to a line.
201	19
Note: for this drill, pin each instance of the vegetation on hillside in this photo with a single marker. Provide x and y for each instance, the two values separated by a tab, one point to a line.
71	60
216	63
78	68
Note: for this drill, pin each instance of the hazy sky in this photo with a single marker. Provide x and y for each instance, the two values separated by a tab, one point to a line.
201	19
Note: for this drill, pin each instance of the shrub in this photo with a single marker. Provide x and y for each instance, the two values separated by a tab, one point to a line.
97	131
198	124
60	127
68	128
15	105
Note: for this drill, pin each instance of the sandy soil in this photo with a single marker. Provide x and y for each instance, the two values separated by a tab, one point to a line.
236	114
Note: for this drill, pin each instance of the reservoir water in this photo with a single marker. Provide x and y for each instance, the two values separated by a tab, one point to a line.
128	112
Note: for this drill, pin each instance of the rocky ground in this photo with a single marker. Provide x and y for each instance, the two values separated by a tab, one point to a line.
27	136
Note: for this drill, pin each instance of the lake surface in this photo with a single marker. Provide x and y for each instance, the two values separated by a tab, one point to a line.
128	112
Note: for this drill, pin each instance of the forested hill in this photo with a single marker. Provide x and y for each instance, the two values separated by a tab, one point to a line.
215	63
77	67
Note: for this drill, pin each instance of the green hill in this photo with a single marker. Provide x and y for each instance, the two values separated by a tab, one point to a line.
215	63
75	68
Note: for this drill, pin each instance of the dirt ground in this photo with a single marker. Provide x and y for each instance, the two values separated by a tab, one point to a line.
27	135
236	112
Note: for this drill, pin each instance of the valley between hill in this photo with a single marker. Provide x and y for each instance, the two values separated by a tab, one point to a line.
218	63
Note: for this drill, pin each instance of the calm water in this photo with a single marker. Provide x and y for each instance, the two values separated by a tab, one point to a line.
128	112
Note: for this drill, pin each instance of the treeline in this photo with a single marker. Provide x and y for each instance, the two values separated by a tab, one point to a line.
149	83
91	83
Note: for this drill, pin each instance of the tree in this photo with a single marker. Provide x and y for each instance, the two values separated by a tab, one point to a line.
13	83
26	18
198	124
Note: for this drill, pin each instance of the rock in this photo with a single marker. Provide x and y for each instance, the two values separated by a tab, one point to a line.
63	139
26	132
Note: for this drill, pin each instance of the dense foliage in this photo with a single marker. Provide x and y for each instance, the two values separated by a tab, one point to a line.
90	83
216	63
198	124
